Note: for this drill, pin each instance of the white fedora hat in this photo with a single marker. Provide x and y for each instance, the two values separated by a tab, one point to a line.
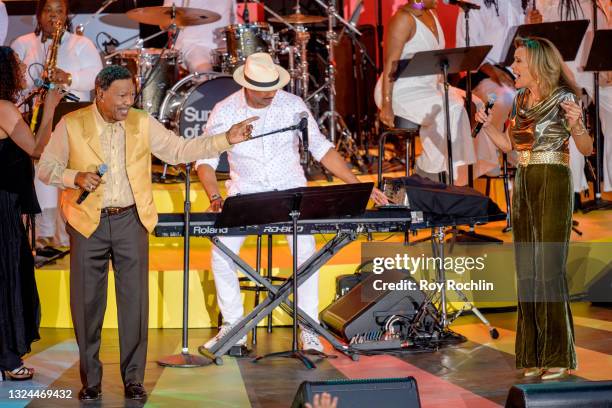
261	74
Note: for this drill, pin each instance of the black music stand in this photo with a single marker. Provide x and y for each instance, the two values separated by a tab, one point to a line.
565	35
598	60
300	203
449	61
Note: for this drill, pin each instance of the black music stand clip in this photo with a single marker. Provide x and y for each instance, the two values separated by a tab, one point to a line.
448	61
347	200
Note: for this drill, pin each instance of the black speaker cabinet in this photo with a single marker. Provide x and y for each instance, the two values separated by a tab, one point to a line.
583	394
367	393
364	309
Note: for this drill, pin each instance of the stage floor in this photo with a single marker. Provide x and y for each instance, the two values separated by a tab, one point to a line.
474	374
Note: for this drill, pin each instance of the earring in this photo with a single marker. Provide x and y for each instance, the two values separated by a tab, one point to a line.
418	5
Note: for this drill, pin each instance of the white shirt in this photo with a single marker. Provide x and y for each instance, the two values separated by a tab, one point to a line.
76	55
487	28
271	162
3	23
204	36
550	12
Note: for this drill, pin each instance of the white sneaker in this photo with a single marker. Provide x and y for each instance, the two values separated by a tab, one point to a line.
309	340
225	329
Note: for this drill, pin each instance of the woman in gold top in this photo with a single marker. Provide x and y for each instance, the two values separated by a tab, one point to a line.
543	118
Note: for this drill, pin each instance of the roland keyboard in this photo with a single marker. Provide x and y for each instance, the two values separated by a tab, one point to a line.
380	220
203	224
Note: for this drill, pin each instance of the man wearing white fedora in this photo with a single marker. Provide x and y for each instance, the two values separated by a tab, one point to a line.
266	164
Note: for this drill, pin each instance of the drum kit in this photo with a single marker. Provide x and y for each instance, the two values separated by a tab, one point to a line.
184	103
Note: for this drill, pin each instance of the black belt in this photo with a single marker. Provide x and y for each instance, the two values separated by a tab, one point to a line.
116	210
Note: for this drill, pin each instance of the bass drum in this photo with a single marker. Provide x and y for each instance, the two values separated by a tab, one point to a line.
188	104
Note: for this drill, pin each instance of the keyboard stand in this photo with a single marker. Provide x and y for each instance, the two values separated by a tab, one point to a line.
308	203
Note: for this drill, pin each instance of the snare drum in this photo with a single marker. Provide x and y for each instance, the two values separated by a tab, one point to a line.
245	39
155	70
221	61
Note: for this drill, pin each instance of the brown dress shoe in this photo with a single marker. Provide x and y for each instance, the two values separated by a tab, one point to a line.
135	391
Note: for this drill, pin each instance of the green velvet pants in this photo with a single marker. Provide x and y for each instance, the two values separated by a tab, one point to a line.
542	220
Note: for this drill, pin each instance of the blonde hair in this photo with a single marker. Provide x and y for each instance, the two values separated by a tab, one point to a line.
546	65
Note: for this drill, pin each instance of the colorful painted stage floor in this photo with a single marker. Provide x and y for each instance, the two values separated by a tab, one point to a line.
475	374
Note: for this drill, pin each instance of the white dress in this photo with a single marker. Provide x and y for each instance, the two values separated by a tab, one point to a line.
421	100
550	12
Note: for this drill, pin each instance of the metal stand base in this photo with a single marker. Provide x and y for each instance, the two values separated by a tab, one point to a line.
184	360
301	355
597	204
437	242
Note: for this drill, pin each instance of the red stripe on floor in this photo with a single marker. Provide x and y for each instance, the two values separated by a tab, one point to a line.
433	391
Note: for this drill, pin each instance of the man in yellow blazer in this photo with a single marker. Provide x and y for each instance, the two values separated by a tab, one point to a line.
113	222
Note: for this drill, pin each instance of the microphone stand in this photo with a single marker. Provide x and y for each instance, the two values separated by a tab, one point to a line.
468	88
459	235
185	359
80	29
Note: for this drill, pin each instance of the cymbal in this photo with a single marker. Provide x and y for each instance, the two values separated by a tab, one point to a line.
299	18
161	16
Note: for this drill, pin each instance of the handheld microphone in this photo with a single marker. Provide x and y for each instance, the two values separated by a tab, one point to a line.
39	83
488	106
100	172
303	127
465	5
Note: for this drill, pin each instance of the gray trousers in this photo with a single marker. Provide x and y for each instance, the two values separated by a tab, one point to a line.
123	240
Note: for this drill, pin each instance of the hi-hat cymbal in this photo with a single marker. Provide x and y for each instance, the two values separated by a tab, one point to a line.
161	16
299	18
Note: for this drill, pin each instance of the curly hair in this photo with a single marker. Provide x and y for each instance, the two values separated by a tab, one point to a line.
110	74
39	9
10	74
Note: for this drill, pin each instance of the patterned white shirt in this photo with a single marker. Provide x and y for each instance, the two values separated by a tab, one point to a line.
271	162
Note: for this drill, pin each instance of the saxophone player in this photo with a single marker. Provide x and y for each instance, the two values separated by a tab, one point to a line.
77	63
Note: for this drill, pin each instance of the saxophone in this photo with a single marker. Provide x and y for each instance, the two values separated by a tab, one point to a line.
49	67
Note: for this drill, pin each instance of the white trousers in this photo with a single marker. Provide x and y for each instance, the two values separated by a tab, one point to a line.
228	289
49	223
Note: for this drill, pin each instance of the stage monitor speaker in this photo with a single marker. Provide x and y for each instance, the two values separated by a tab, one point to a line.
366	393
364	309
583	394
599	291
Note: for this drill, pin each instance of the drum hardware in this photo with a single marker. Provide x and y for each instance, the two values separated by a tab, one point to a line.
80	29
179	16
187	105
277	18
243	40
335	122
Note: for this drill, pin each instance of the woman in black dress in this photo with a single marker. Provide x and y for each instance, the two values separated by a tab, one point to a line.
19	304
